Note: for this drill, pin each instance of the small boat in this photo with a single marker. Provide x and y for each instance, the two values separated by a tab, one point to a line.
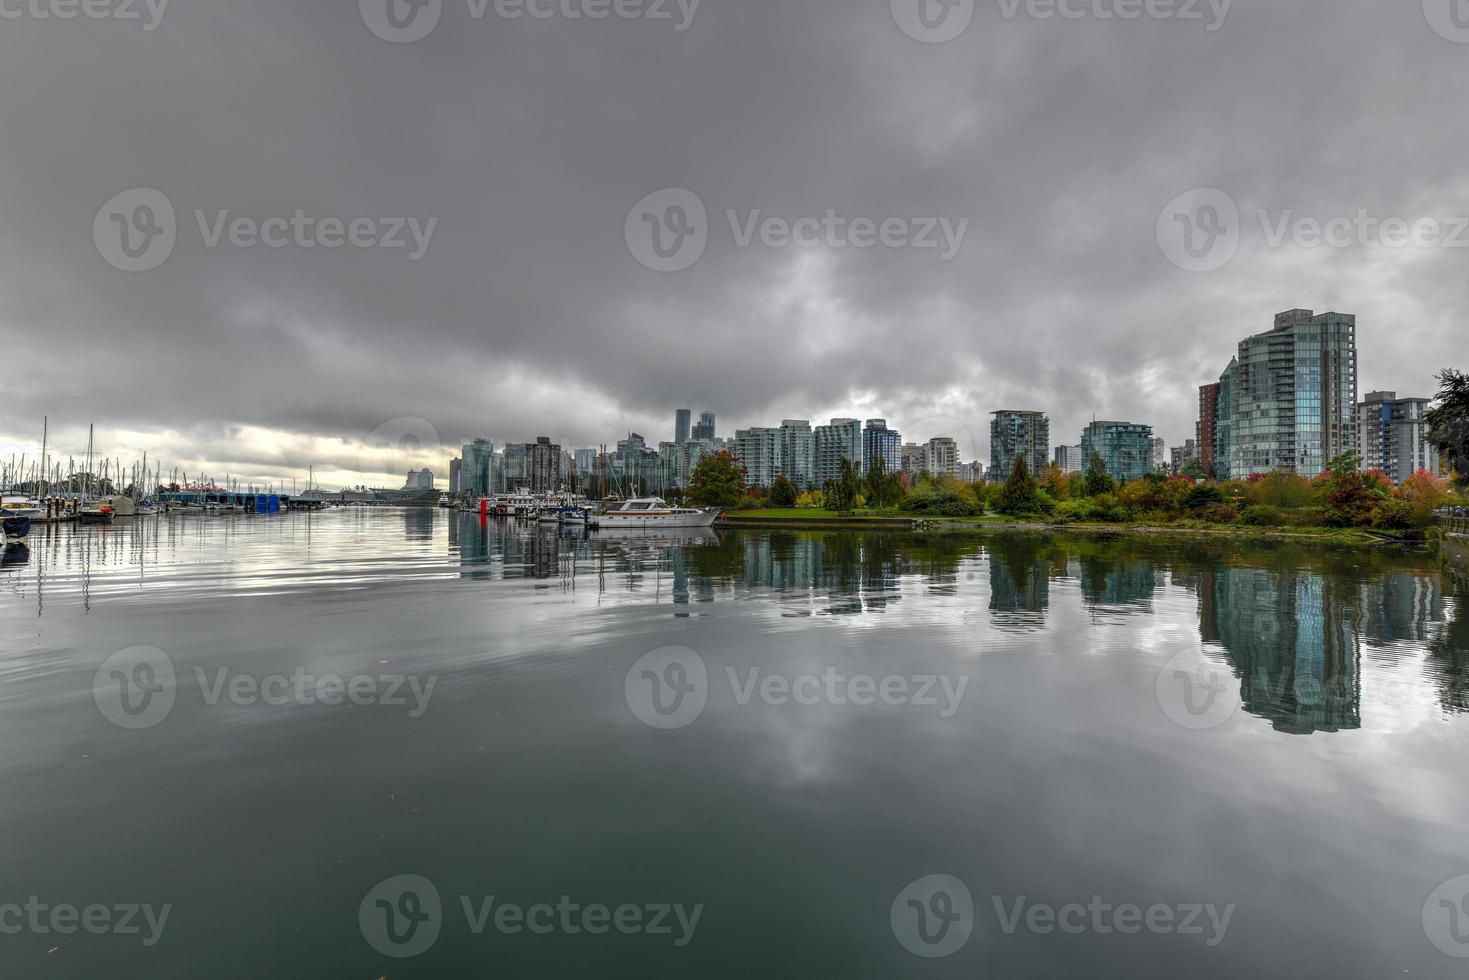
446	501
21	507
16	529
95	515
654	512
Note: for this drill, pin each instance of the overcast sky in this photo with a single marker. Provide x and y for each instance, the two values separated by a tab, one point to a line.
521	148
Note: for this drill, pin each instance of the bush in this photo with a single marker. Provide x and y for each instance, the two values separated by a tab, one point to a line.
1392	513
1262	515
1083	511
1218	513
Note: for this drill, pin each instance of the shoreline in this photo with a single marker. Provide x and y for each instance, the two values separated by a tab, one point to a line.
925	525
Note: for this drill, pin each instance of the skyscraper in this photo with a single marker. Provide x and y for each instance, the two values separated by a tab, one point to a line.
1207	425
1023	434
1294	396
878	441
705	429
1393	435
681	426
1070	460
911	457
476	476
1126	448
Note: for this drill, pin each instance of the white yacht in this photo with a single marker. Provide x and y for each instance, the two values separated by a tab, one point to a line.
645	512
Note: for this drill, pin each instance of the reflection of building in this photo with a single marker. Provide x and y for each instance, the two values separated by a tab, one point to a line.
1293	644
1020	585
1393	435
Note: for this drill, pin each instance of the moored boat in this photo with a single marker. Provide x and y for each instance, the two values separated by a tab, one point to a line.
654	512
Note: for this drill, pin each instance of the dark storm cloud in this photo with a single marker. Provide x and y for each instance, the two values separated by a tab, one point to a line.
529	140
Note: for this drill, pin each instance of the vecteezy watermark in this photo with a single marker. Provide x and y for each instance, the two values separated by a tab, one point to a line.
668	231
938	21
669	688
1448	18
1200	230
406	21
137	688
1446	917
136	231
1195	692
403	916
400	446
123	10
935	916
38	918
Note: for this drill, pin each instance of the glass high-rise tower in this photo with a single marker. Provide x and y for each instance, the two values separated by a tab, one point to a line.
1294	394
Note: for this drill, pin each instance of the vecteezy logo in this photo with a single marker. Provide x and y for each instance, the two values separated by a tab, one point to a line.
933	21
1446	917
401	21
402	916
1194	693
668	230
667	688
136	230
1449	18
1199	230
135	688
933	917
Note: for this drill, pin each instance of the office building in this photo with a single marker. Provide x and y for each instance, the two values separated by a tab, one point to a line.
941	456
1126	448
880	442
840	440
681	426
1294	395
1393	435
1026	435
705	427
456	473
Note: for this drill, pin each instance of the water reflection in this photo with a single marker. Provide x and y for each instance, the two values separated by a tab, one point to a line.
1316	636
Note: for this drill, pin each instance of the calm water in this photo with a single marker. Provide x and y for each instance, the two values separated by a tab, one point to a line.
631	723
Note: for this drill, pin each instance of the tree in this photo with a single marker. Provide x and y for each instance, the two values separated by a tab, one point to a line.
1018	495
782	492
1348	494
883	488
1194	470
1448	422
1098	480
842	492
1054	482
717	481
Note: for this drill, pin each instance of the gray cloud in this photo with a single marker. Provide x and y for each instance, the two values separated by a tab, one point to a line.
530	140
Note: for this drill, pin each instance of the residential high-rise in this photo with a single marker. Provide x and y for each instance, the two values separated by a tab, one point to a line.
840	440
1207	426
1070	460
910	458
1224	423
1023	434
705	428
1160	453
797	453
476	478
1393	435
757	450
585	461
681	426
456	475
878	441
941	456
1294	395
1126	448
1181	456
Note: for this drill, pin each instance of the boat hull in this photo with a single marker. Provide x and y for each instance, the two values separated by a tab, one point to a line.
655	521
